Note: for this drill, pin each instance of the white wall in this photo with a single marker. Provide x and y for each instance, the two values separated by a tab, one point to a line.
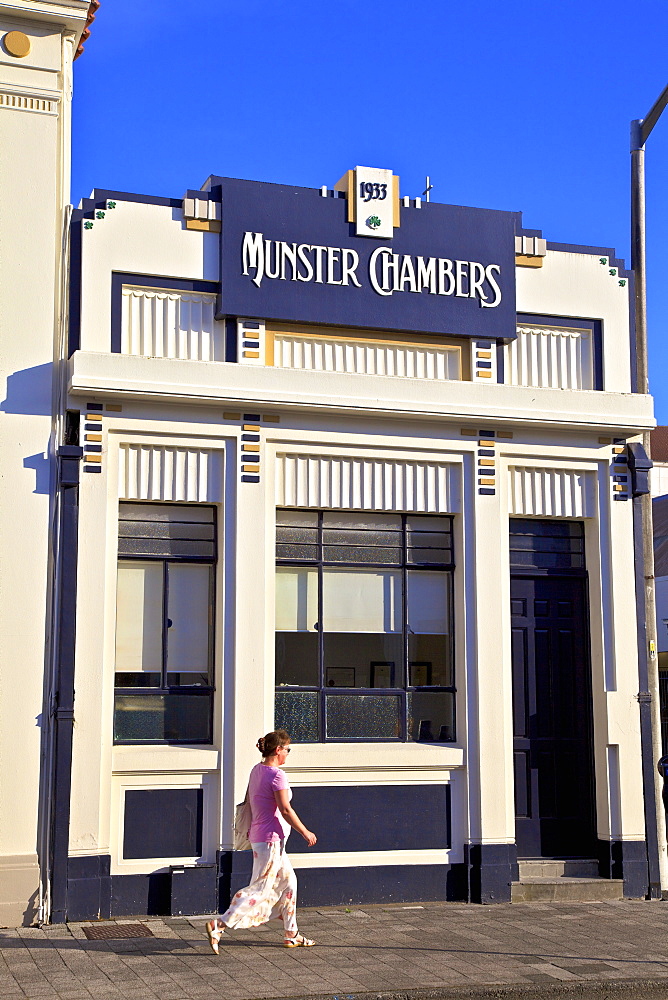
34	180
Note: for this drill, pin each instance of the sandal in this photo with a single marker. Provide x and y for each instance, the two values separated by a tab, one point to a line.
298	941
214	934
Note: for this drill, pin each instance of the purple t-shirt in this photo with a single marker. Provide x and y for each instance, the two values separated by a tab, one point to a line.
268	824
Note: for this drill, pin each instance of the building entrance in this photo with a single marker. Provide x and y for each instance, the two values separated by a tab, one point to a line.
554	787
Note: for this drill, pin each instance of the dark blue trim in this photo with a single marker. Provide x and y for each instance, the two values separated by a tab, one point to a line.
577	322
626	859
648	763
492	868
231	346
486	434
120	278
193	889
61	708
483	345
486	453
94	406
483	364
251	418
483	491
101	195
357	885
74	279
132	895
500	362
89	888
250	479
389	813
93	447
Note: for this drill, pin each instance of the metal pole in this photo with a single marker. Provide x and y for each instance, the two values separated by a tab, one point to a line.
649	670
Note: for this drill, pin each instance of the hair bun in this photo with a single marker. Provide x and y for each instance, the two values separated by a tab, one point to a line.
260	744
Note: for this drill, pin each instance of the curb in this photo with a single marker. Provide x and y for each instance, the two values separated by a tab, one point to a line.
584	990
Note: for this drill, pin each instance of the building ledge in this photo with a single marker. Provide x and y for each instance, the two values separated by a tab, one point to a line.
170	381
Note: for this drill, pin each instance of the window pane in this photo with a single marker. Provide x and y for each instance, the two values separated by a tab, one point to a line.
429	640
367	519
189	623
361	601
431	716
363	659
180	718
139	594
296	599
297	713
297	659
362	629
355	716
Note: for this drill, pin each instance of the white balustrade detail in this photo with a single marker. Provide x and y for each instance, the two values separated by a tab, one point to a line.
157	472
366	357
347	483
545	492
551	358
159	323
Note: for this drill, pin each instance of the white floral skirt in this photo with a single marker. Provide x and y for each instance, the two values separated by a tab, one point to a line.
272	893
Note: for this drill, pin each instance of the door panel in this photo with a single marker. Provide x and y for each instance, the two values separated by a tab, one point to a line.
554	793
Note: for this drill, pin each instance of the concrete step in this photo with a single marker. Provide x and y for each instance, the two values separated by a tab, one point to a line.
566	889
558	868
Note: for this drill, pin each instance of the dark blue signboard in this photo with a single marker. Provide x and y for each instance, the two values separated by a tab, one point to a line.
289	254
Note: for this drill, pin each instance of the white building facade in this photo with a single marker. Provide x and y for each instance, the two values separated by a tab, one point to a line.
347	463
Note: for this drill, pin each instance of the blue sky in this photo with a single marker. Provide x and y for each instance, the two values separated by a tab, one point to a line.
523	105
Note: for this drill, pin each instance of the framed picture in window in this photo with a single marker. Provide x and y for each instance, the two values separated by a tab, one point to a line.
340	677
420	673
382	673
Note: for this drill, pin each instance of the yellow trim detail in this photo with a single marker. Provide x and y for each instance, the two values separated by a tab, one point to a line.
204	225
96	417
92	458
396	204
504	434
486	444
483	354
522	261
486	482
92	437
251	354
250	447
251	427
483	374
486	461
231	416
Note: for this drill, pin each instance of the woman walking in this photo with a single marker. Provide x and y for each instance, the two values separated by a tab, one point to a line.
272	892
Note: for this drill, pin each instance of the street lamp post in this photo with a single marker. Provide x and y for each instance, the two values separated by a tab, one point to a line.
650	714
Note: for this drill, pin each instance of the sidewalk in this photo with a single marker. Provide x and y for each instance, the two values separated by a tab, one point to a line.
436	950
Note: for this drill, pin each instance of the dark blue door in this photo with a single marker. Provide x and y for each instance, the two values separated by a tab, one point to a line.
554	789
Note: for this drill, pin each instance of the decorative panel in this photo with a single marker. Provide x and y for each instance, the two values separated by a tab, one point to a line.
366	357
550	357
165	324
366	484
154	472
536	492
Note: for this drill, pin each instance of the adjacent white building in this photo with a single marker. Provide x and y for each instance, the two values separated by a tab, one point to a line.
334	460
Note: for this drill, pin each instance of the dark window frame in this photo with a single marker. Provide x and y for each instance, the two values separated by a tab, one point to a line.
184	690
401	690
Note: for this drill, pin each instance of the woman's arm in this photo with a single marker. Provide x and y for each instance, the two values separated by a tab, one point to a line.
291	817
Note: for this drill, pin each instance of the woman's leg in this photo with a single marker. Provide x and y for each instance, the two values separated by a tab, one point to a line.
250	906
286	905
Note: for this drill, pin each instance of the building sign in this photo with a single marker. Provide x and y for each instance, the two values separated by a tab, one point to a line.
292	255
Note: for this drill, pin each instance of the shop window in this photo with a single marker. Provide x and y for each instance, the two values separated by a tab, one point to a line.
165	623
364	637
